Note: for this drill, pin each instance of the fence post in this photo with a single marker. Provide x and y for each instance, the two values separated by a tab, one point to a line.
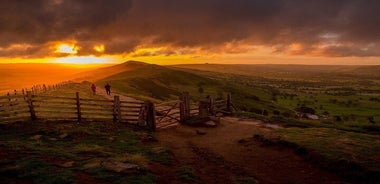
150	116
78	107
116	109
229	103
9	97
31	106
203	108
211	105
184	106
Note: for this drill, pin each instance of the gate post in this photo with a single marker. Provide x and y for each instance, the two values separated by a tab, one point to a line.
150	115
79	115
184	107
229	103
211	105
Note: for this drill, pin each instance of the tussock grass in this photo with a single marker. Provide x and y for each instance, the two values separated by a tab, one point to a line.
40	149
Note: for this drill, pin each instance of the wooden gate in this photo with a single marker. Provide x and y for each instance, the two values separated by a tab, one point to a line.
167	114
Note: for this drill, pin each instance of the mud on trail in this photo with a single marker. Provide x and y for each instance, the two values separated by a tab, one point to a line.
229	154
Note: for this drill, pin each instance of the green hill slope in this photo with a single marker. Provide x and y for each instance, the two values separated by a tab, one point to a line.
144	80
160	83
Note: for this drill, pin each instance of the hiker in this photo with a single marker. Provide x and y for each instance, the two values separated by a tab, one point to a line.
93	88
108	89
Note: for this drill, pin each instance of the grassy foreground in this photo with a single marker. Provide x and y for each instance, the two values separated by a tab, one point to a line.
69	152
61	152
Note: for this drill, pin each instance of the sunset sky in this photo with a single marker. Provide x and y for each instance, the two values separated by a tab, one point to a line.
190	31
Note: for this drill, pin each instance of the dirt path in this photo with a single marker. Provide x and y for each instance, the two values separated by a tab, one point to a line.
220	155
102	92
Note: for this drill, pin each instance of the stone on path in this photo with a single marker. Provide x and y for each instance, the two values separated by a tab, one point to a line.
64	135
210	124
200	132
36	137
121	167
67	164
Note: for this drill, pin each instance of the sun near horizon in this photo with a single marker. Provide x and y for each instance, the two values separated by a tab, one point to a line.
72	58
224	32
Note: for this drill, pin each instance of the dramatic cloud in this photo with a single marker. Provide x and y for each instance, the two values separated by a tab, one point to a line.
334	28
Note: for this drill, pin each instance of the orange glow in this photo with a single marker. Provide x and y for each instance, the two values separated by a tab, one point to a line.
87	60
67	49
99	48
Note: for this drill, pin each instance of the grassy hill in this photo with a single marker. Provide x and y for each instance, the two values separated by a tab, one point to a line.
149	81
159	83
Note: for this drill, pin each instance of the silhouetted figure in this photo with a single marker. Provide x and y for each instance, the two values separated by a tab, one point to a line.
108	89
93	88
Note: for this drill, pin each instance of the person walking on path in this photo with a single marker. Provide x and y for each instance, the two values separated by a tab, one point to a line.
93	89
108	89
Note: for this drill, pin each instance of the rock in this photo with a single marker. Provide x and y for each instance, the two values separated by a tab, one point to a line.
219	114
121	167
210	124
36	137
93	164
67	164
64	135
149	138
111	138
200	132
158	150
215	119
312	116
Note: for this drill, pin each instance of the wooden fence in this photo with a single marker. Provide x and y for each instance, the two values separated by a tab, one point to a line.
40	106
171	113
39	88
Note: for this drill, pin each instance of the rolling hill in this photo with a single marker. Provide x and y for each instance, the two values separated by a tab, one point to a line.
160	83
269	90
152	81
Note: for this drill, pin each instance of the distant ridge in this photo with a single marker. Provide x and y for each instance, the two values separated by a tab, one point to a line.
104	72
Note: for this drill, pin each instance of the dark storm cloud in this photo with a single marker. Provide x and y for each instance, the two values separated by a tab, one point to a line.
41	21
321	27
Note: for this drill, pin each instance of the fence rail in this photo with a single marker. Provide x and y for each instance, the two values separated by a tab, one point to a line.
39	106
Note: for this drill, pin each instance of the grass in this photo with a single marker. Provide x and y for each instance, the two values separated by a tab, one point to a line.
355	155
41	172
187	174
38	151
